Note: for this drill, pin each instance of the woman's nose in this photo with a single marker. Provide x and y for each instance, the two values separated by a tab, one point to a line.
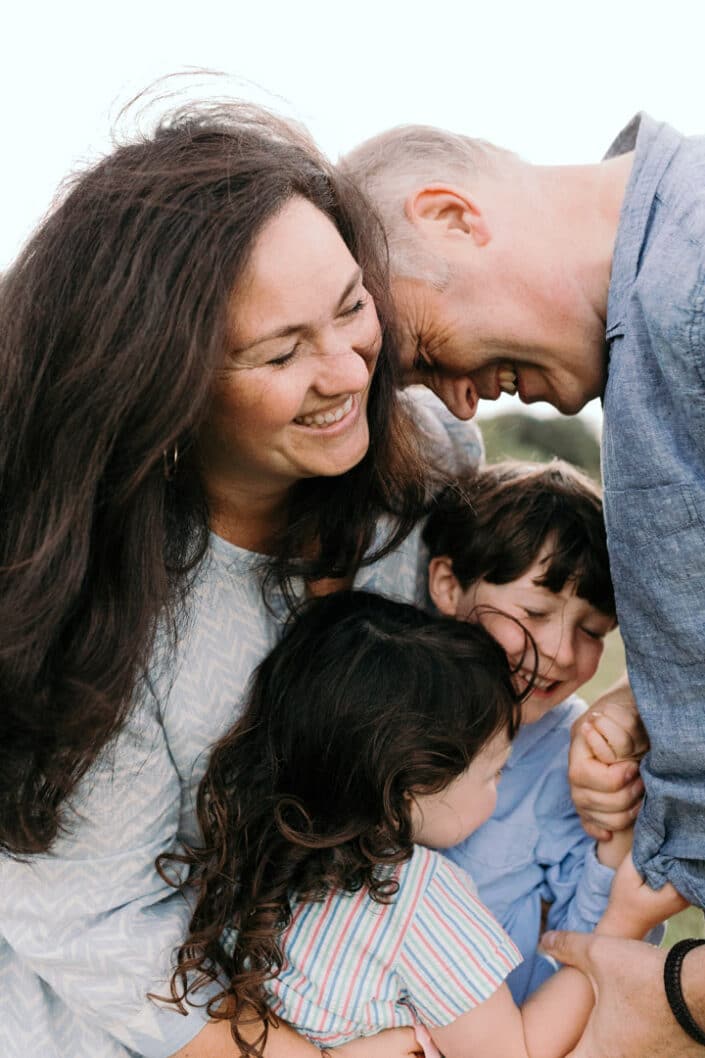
341	370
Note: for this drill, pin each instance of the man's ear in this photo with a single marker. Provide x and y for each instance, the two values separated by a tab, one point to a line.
443	586
451	209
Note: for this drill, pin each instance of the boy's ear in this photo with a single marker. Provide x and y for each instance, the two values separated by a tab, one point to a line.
443	586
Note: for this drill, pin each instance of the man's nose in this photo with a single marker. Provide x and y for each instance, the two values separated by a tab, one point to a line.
458	394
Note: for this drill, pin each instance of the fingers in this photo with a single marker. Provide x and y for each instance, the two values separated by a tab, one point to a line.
597	832
599	743
621	729
623	801
573	949
607	739
598	820
586	773
603	803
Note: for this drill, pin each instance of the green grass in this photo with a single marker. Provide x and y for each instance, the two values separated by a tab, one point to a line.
690	923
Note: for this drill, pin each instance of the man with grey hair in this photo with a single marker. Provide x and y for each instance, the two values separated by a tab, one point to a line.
561	284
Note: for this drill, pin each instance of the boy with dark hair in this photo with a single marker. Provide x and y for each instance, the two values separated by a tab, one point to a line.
521	548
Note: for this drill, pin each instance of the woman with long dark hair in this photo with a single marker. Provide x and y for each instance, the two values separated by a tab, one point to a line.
199	422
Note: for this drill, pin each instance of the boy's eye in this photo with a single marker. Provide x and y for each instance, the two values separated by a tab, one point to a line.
592	634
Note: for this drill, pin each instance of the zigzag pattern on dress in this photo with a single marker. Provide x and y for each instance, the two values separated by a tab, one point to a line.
89	930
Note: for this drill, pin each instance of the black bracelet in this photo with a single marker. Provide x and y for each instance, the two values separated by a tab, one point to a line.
674	994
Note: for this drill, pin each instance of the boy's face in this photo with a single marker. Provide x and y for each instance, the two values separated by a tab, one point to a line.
567	630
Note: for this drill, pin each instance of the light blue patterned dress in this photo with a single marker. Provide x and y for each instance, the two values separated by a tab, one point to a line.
88	930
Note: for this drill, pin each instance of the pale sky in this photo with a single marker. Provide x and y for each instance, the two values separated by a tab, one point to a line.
552	80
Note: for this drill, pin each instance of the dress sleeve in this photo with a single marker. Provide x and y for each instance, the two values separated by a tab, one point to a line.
455	954
93	919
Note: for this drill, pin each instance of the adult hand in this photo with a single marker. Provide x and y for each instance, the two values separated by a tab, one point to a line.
631	1018
606	789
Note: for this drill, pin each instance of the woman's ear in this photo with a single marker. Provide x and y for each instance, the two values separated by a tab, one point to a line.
443	586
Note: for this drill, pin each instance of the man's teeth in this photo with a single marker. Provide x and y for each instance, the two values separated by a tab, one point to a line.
507	380
326	418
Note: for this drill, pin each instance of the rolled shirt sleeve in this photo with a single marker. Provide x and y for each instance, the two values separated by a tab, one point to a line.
653	454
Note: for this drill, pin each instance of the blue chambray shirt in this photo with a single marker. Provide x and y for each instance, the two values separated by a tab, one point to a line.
534	848
654	478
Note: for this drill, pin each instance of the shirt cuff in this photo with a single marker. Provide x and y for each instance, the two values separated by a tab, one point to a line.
657	868
592	894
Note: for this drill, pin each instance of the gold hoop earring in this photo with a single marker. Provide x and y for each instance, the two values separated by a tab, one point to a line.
171	461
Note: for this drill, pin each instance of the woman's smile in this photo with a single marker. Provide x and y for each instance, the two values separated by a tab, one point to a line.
327	417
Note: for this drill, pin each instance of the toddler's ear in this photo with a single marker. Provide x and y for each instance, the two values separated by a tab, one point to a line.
443	586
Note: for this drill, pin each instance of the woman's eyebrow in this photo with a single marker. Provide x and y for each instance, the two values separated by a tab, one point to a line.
294	328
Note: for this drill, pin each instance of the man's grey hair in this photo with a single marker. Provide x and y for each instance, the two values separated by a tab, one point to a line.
389	166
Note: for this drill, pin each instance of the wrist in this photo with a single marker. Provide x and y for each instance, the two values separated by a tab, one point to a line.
612	852
684	988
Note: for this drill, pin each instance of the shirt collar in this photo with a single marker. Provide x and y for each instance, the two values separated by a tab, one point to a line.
529	735
654	144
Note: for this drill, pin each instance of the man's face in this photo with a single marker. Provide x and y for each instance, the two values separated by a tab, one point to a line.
474	340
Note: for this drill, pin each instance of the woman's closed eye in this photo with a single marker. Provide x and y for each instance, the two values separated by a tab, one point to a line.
347	313
357	306
285	358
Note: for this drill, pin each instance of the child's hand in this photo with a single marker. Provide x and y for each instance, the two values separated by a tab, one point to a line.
634	908
605	787
613	730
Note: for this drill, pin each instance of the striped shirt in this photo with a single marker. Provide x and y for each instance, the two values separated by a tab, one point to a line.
354	967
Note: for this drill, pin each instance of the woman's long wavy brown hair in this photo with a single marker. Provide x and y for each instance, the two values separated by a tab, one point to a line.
113	324
363	702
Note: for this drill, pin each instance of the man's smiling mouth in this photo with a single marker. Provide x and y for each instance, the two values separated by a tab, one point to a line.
507	377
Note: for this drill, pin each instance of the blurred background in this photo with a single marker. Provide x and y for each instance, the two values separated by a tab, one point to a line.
553	80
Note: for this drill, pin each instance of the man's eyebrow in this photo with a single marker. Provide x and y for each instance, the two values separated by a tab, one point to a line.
296	328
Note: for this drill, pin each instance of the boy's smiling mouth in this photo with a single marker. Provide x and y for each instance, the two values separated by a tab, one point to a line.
541	685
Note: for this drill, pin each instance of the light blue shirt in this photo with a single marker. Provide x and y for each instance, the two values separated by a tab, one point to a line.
534	848
88	930
653	456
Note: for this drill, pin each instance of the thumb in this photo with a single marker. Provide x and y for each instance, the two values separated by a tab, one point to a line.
569	948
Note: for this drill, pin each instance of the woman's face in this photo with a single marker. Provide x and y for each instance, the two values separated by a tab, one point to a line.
291	399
